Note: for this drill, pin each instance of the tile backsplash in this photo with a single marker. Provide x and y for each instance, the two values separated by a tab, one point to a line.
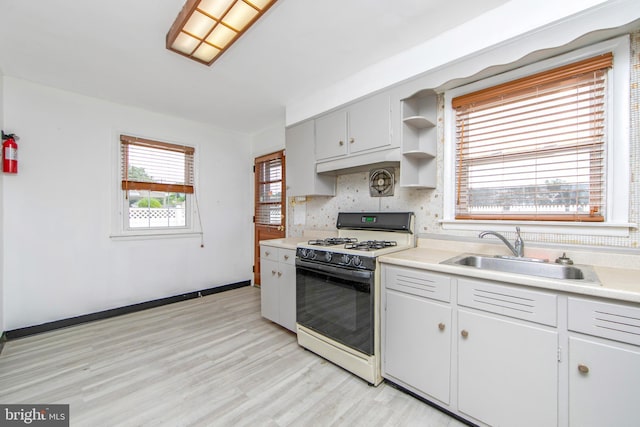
320	213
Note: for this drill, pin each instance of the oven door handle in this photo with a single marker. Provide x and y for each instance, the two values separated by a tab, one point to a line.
341	272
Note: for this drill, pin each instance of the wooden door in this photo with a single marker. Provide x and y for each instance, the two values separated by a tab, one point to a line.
270	203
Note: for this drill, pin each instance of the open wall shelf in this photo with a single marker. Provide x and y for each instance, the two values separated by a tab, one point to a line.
419	140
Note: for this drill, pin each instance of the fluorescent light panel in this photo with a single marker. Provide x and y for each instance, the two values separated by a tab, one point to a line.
204	29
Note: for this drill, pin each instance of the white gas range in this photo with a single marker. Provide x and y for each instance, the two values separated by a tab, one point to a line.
338	288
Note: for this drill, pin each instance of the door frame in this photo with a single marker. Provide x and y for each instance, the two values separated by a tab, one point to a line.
267	231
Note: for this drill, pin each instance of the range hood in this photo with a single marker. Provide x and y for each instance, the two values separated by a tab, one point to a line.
387	158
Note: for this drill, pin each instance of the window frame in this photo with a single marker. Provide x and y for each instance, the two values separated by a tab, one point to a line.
617	146
120	226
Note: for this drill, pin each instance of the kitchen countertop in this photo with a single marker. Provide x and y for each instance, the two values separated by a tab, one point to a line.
291	242
621	283
285	243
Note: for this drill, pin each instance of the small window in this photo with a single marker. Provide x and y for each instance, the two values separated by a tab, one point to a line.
535	148
157	181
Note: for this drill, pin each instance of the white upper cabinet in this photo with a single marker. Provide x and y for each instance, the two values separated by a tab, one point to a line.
302	179
357	135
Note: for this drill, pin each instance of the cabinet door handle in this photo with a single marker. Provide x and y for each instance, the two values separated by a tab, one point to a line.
279	273
352	140
267	253
464	333
341	143
441	326
584	369
286	257
273	272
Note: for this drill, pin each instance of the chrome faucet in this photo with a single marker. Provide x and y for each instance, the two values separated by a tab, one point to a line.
517	248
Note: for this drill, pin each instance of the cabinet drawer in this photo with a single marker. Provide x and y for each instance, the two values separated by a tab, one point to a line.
602	319
269	252
534	306
419	282
287	256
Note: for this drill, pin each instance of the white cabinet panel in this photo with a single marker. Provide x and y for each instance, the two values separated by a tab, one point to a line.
418	343
278	285
507	371
601	319
354	133
269	289
302	179
604	380
331	135
369	124
514	301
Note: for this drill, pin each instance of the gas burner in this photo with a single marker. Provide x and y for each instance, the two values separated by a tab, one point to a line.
332	241
370	245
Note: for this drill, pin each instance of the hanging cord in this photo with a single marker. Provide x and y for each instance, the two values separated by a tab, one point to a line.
195	196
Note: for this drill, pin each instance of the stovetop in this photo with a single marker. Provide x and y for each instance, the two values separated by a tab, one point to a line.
362	237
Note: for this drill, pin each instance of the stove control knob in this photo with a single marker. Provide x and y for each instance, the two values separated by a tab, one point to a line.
356	261
328	256
345	259
311	254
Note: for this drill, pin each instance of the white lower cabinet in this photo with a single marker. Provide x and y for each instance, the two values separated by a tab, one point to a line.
278	285
485	351
508	342
604	363
507	371
418	333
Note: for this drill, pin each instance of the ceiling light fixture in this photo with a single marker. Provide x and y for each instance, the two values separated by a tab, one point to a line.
204	29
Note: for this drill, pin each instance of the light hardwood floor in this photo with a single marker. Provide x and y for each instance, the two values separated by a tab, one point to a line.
212	361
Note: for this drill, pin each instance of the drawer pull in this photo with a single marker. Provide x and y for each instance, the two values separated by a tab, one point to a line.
279	273
286	257
464	333
267	253
341	143
441	326
273	272
584	369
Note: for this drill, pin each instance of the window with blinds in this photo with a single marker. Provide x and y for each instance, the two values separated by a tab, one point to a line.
157	178
269	195
534	148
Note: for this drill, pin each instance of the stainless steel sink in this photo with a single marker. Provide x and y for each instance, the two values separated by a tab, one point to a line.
527	266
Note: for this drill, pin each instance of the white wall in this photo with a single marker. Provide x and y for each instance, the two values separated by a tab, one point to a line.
59	259
462	51
268	140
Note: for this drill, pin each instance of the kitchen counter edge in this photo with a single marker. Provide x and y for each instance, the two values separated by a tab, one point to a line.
615	283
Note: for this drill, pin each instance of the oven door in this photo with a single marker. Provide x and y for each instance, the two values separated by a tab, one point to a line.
336	302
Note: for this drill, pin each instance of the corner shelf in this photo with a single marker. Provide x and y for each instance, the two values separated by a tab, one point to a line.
419	140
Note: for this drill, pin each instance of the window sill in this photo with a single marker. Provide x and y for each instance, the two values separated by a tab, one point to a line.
582	228
155	234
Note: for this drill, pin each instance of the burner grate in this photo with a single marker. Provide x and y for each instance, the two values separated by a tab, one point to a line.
370	245
332	241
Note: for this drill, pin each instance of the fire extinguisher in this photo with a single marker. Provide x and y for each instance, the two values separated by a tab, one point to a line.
9	153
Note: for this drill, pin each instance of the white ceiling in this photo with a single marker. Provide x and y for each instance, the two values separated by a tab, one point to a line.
114	50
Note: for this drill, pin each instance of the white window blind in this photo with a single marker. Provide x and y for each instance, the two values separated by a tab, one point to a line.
156	166
534	148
